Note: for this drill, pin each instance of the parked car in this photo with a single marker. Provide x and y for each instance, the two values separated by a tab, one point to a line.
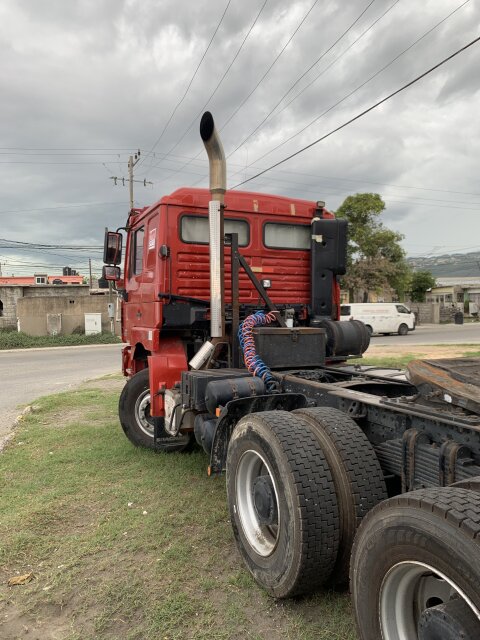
381	317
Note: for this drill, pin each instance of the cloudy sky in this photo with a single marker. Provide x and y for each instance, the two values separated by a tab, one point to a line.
85	83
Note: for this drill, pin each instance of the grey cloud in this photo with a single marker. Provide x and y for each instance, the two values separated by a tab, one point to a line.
108	74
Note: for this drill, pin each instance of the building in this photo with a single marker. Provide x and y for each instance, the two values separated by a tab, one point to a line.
460	291
39	279
44	304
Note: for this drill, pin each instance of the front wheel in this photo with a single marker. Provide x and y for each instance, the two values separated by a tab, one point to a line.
402	329
415	570
282	502
136	421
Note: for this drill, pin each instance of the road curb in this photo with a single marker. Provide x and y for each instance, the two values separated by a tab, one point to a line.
6	439
76	346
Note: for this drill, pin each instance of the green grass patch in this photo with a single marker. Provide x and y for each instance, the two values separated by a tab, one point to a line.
107	570
397	362
20	340
400	362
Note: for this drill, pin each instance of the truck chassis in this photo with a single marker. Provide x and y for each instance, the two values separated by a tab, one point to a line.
335	472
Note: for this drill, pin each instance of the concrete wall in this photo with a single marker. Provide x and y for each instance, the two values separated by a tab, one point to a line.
56	291
32	312
426	312
9	296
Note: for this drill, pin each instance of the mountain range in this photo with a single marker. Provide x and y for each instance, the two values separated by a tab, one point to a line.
449	264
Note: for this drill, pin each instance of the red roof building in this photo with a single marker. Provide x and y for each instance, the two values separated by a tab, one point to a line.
39	279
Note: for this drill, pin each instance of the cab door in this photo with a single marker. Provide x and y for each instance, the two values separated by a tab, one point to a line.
136	249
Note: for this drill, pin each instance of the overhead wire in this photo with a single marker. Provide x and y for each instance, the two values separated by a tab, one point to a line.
275	60
270	67
195	119
363	84
364	112
67	206
204	162
267	117
144	158
300	77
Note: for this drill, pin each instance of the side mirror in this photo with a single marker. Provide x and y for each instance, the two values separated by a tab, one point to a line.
112	248
110	273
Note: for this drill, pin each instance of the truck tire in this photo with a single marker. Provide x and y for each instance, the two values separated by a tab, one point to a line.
403	329
412	554
282	502
369	329
134	414
473	484
356	473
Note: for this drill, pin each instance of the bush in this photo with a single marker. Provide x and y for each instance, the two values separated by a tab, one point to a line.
19	340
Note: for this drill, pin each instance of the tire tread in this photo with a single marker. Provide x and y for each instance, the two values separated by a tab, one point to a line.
359	463
315	493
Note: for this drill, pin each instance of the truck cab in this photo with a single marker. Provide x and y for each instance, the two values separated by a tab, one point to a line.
166	284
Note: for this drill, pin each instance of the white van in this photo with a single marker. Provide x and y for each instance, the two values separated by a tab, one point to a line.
380	317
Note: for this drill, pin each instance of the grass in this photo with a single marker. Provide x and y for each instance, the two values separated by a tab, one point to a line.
400	362
19	340
107	570
397	362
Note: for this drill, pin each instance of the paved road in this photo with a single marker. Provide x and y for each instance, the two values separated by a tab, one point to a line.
28	374
435	334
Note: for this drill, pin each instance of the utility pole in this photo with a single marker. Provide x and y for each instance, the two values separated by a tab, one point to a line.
132	161
90	270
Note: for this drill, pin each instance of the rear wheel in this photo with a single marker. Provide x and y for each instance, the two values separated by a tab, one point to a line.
369	329
415	570
402	329
356	473
136	421
282	503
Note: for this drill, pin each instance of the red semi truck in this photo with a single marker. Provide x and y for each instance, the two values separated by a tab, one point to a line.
230	309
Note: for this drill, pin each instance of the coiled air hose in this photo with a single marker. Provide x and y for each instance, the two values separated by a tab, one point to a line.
253	362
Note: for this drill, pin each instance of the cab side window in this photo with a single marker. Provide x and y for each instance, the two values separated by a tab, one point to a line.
402	309
194	230
279	235
137	254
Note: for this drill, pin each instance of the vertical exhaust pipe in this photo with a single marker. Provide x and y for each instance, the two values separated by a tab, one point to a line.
218	186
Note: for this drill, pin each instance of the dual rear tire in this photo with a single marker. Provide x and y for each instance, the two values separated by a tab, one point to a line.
298	486
308	505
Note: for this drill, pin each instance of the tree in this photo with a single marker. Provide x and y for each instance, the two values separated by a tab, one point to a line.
375	258
421	282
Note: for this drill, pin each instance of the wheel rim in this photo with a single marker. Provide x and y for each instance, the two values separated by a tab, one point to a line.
142	413
407	590
261	537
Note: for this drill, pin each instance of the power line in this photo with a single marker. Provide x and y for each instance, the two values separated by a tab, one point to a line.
67	206
360	115
309	69
63	149
56	154
434	203
360	86
189	84
304	174
195	120
49	246
275	60
46	163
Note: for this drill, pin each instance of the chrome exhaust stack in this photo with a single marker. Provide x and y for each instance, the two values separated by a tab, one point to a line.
218	186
